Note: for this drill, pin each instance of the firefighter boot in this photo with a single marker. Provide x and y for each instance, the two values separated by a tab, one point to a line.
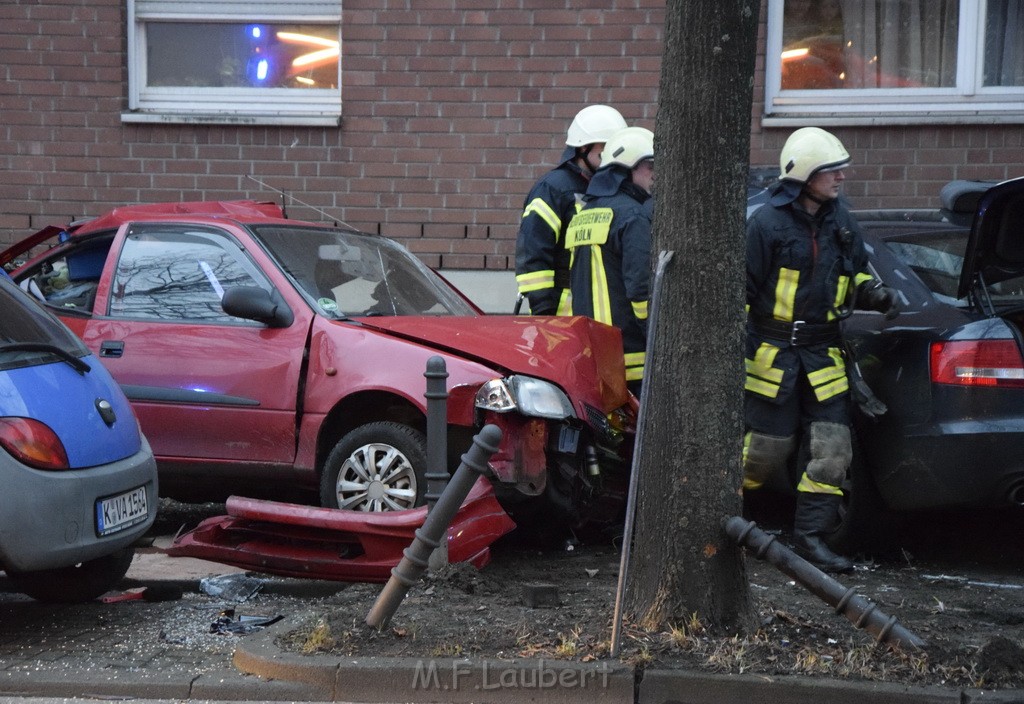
816	516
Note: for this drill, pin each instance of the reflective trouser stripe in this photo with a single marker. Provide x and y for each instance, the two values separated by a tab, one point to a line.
635	362
639	309
599	288
565	303
809	486
785	294
536	280
762	377
830	381
748	483
544	211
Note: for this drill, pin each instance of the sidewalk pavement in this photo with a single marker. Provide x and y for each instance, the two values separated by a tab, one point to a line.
259	670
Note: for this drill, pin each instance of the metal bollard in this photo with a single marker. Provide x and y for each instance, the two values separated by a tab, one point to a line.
437	444
860	611
437	429
428	536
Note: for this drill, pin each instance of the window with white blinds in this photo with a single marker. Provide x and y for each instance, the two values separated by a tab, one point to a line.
255	62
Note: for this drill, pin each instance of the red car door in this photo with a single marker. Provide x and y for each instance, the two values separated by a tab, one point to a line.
205	385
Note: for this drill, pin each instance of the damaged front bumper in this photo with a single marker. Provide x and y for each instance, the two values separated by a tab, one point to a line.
293	540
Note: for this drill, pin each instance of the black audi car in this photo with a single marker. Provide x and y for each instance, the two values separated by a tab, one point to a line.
949	369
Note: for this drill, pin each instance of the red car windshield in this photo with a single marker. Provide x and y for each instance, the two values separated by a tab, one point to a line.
349	274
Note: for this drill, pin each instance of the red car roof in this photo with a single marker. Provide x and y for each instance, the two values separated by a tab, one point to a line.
244	210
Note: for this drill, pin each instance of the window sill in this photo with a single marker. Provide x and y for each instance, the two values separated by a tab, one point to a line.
825	119
180	118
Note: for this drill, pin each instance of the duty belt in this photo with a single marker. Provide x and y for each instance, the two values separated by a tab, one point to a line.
796	333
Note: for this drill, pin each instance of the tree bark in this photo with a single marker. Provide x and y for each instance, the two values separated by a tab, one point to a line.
689	470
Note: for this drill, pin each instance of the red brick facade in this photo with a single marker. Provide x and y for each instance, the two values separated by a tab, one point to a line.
448	117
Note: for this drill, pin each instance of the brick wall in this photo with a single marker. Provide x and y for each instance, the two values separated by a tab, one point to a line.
449	116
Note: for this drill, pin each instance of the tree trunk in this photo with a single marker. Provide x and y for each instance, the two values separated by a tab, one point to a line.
689	469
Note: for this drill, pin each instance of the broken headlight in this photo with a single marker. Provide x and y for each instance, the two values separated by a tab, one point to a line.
529	396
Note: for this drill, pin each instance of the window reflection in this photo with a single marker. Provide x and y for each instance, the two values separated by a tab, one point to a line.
193	54
177	275
838	44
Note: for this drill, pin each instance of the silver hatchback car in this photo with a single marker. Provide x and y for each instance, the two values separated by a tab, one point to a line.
79	480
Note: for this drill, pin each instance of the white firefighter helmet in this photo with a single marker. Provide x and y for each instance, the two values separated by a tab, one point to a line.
628	147
593	124
811	150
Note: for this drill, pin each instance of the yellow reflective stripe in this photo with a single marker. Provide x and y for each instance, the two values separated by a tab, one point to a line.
761	387
762	363
544	211
827	391
565	303
809	486
639	309
599	288
785	294
635	358
756	370
536	280
830	381
762	377
862	277
751	484
635	362
823	376
842	286
837	369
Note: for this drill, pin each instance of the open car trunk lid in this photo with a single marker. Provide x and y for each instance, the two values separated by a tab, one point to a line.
995	247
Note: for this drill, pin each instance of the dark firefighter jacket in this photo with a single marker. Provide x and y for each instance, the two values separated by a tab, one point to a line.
542	262
800	269
610	242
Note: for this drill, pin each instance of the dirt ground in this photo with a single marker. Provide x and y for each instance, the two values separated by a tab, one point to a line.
957	582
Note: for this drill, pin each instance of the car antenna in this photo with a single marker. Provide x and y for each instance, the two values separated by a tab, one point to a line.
336	221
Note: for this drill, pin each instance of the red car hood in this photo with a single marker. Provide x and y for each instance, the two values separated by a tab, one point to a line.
578	354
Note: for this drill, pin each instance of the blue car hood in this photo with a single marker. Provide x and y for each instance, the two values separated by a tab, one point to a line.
65	400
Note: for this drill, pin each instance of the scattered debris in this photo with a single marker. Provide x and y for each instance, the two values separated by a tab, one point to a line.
229	623
157	592
237	587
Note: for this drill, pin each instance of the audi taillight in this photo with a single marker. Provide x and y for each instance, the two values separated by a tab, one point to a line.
977	363
32	443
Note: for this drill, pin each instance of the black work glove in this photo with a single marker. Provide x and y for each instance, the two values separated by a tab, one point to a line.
880	298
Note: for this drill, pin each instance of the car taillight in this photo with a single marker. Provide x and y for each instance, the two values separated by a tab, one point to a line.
977	363
32	443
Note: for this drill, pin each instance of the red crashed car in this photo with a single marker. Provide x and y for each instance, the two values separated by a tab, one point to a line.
263	354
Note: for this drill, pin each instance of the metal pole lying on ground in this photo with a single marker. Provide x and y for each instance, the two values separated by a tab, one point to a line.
432	532
860	611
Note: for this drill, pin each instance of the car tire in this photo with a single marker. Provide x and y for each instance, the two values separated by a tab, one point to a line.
376	467
75	584
867	526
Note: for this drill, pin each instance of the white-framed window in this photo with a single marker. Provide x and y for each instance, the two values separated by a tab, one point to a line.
235	62
894	62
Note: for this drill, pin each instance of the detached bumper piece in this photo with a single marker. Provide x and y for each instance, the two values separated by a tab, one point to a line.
292	540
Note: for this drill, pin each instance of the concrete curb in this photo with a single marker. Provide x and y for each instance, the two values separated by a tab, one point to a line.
482	681
440	680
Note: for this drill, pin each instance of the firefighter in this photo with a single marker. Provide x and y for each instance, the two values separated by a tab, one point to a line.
542	263
806	270
610	245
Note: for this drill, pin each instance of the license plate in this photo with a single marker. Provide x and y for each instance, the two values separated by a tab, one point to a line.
115	513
